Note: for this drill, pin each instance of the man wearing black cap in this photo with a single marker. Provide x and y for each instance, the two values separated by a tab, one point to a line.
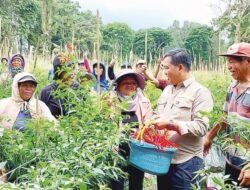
237	109
63	78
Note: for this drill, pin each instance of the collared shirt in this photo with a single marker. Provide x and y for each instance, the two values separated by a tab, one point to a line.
237	107
184	105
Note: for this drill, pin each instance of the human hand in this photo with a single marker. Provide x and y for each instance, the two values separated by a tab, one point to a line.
115	148
144	68
207	146
161	122
85	56
113	62
159	61
244	176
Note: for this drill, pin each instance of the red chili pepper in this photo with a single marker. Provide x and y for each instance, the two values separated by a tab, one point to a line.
152	136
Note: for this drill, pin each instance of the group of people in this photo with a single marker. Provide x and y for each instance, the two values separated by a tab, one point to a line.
179	110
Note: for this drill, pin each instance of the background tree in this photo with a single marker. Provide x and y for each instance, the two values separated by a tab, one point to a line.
71	25
199	42
157	39
180	33
117	39
235	20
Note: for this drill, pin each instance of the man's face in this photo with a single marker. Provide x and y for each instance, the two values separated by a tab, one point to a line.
26	90
238	69
139	67
172	71
83	68
68	74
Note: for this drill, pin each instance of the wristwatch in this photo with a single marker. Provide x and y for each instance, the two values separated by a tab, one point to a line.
171	125
171	122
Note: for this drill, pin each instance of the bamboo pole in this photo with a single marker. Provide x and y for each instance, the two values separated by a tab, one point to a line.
121	55
94	53
146	46
131	57
97	52
0	29
150	61
219	49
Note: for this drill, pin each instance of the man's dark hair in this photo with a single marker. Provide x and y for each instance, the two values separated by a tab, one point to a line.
126	67
180	56
239	58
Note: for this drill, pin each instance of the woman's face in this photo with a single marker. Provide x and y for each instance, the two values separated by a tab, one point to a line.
16	63
26	90
98	72
127	86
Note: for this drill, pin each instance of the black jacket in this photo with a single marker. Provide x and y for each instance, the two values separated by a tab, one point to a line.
55	105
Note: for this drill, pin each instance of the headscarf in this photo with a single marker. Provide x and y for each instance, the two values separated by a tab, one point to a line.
104	83
131	101
14	71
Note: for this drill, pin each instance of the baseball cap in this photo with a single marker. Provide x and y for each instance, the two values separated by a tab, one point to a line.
27	78
141	61
238	49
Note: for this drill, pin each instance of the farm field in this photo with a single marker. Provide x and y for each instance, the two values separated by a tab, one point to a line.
39	162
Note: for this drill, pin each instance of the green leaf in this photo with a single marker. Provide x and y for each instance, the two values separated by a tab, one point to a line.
83	186
217	181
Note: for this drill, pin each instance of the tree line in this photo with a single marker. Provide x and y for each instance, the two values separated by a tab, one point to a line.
45	25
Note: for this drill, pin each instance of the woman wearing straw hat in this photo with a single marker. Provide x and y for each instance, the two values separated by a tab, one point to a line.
129	87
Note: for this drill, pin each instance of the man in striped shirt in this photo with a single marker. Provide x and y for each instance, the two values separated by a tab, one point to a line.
237	108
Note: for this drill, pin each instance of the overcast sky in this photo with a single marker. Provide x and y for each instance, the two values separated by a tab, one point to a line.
152	13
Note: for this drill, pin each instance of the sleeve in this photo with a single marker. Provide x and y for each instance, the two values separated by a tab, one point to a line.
148	112
87	65
43	96
144	110
111	73
198	126
229	96
163	84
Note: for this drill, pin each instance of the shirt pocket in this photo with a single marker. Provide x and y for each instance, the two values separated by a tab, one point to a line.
182	108
161	106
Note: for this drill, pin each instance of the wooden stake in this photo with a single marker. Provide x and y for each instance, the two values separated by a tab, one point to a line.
97	52
0	29
146	46
121	55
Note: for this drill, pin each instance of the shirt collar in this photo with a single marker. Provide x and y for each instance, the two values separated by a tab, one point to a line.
235	83
185	83
188	81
